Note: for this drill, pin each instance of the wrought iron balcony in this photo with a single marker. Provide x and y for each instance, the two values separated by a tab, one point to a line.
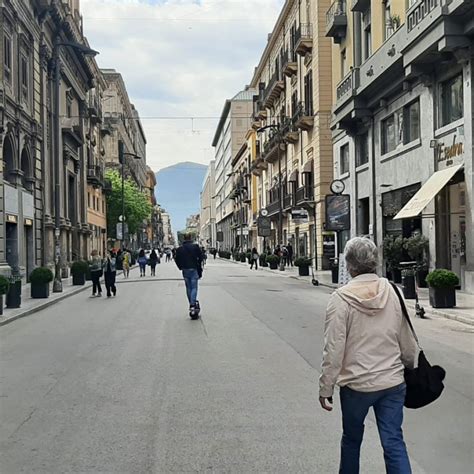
288	202
360	5
95	176
347	88
260	110
273	208
304	39
271	149
304	194
258	166
289	131
274	88
303	117
336	21
289	62
95	108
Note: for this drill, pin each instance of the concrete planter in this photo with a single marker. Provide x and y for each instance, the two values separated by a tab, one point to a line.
303	271
13	299
409	288
273	266
40	290
79	279
442	297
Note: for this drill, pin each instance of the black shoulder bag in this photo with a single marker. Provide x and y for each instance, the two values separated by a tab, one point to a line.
425	382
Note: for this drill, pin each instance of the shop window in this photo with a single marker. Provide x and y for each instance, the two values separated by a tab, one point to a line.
7	57
451	100
362	149
344	158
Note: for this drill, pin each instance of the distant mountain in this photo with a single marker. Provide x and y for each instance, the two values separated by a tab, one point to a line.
178	189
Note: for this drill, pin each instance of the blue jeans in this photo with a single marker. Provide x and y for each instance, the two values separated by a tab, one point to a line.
388	408
191	279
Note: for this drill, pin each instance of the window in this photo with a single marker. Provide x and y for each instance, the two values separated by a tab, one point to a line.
7	57
401	127
68	107
388	30
344	157
308	93
362	149
343	63
451	100
24	77
366	35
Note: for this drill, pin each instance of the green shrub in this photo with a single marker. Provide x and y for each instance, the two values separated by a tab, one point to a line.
442	278
417	247
273	259
393	251
303	262
41	275
79	268
4	285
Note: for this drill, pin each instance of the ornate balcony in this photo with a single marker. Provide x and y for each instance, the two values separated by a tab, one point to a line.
258	166
336	21
303	117
290	131
260	110
304	39
275	87
288	202
271	149
290	65
347	88
304	194
273	208
95	176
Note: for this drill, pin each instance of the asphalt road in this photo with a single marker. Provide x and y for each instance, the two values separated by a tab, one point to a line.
132	385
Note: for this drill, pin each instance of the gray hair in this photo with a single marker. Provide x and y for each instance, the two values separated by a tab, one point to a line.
361	256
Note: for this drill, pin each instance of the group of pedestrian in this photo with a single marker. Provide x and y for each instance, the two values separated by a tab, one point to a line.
285	254
103	267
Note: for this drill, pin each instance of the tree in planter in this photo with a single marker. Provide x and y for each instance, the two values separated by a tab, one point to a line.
40	278
137	206
393	254
303	264
4	287
78	271
417	248
273	261
442	285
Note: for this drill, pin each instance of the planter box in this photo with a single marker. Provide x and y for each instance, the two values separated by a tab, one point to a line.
40	290
79	280
13	299
273	266
442	297
243	259
409	289
303	271
335	274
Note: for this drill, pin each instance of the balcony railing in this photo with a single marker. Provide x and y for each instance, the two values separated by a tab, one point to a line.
304	39
360	5
417	12
290	131
336	21
303	116
95	175
274	88
290	64
270	149
347	87
273	208
304	194
287	202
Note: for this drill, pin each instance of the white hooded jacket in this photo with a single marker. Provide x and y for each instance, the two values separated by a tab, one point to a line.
367	341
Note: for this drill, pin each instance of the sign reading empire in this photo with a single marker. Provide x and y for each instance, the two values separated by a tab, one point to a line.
448	152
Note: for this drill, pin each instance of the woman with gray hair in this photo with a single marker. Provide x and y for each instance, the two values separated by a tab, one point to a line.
367	345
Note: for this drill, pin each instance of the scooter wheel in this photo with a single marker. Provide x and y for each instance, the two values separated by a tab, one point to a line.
315	282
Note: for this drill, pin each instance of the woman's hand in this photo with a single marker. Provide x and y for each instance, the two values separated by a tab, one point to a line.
326	403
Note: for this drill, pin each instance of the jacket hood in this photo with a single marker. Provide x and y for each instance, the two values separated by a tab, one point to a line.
366	293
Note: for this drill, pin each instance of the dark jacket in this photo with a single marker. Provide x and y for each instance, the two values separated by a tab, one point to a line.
188	256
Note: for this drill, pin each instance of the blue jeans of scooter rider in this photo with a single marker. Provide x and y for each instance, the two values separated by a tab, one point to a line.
191	278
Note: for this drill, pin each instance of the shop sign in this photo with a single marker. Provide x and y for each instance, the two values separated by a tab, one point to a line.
28	222
338	212
447	153
299	216
264	226
12	219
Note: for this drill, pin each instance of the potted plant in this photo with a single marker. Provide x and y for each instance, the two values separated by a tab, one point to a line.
243	257
78	272
14	292
248	255
262	260
393	254
408	283
40	279
4	286
273	261
417	248
394	22
442	285
303	264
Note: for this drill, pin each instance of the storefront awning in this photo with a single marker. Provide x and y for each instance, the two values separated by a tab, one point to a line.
427	192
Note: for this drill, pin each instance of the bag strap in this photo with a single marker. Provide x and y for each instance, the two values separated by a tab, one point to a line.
405	313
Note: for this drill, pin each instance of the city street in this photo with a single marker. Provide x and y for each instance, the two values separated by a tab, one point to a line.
132	385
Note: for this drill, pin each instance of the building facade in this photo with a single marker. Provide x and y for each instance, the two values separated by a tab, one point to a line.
168	237
207	233
293	156
234	123
151	227
402	126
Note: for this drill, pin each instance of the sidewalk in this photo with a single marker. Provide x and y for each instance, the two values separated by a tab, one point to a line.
32	305
463	312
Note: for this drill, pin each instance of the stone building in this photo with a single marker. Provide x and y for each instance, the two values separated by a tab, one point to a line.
207	218
149	234
402	127
234	123
293	160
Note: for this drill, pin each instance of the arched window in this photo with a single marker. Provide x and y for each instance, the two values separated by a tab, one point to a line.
26	169
8	160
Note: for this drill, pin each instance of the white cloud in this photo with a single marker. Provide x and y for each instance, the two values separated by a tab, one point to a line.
180	58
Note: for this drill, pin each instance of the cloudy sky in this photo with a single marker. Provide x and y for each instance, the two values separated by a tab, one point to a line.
180	60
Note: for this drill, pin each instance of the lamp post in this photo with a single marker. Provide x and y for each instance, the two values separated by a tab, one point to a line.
122	154
56	65
280	194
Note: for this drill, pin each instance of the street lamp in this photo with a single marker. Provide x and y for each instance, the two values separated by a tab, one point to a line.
122	155
280	194
56	65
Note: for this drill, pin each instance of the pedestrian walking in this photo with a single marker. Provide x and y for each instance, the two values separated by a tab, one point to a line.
204	256
142	262
96	272
254	259
289	248
367	345
188	259
153	261
284	255
110	273
126	258
214	252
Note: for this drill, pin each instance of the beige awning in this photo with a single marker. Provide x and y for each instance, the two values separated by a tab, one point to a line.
427	192
293	176
308	167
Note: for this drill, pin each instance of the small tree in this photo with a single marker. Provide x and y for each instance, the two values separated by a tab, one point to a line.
393	251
